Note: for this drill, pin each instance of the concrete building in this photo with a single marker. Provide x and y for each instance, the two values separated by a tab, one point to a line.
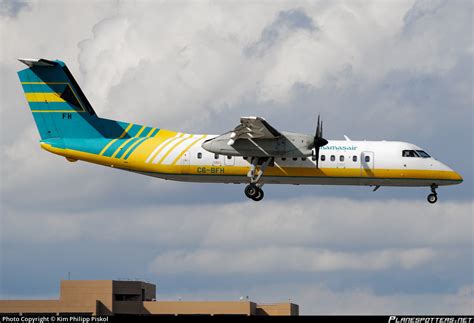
112	297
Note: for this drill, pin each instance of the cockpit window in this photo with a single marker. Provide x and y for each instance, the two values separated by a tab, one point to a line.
423	154
415	153
410	153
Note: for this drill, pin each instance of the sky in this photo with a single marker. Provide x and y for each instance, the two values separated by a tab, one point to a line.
374	70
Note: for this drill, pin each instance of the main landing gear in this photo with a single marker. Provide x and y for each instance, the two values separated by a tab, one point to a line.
254	189
433	197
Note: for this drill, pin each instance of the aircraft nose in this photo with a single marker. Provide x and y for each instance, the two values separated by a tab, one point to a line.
457	176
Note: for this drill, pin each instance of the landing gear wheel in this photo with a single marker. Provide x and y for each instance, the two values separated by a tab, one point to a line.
432	198
259	195
251	191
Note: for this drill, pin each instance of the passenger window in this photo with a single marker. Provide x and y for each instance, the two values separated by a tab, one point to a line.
313	157
245	158
216	156
323	157
341	158
333	158
367	159
283	158
229	157
354	159
303	158
295	158
199	155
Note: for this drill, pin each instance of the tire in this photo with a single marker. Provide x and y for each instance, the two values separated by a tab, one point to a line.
432	198
251	191
259	196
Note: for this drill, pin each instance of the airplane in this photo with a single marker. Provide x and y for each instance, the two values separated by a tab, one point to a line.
253	153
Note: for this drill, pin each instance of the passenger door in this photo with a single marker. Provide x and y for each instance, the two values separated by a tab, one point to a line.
185	162
367	163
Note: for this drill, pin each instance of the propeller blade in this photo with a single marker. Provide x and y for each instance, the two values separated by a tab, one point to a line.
317	157
317	128
319	141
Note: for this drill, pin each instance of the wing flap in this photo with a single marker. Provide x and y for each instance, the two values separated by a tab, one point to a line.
253	128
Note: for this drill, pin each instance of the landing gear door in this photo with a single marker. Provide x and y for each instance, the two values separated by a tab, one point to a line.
185	162
367	163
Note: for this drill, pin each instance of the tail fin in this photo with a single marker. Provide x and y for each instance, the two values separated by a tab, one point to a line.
59	106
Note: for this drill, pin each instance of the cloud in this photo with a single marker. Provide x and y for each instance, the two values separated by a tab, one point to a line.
285	23
365	225
11	8
260	260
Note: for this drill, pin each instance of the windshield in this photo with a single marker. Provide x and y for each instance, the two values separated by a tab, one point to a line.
423	154
415	153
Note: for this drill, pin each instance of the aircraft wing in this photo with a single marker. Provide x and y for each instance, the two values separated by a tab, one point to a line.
253	128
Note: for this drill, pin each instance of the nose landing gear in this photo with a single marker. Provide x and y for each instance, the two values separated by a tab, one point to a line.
433	197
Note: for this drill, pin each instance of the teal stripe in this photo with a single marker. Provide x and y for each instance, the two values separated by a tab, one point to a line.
54	106
45	88
124	148
132	132
146	131
110	151
27	88
133	149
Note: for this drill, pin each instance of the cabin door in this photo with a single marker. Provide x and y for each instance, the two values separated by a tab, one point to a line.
185	162
367	163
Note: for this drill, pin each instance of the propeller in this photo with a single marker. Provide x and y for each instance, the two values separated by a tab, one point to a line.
319	141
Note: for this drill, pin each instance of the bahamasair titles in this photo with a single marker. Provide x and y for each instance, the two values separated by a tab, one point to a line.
253	153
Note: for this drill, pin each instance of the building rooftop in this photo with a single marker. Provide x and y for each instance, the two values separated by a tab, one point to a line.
117	297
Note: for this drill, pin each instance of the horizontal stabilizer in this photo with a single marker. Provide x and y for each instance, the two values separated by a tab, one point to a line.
37	62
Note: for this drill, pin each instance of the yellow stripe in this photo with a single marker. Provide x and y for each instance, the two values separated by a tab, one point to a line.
140	132
112	141
50	96
43	97
186	149
151	131
133	145
121	146
172	148
163	147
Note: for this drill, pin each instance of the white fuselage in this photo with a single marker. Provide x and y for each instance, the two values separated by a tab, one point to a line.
341	163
